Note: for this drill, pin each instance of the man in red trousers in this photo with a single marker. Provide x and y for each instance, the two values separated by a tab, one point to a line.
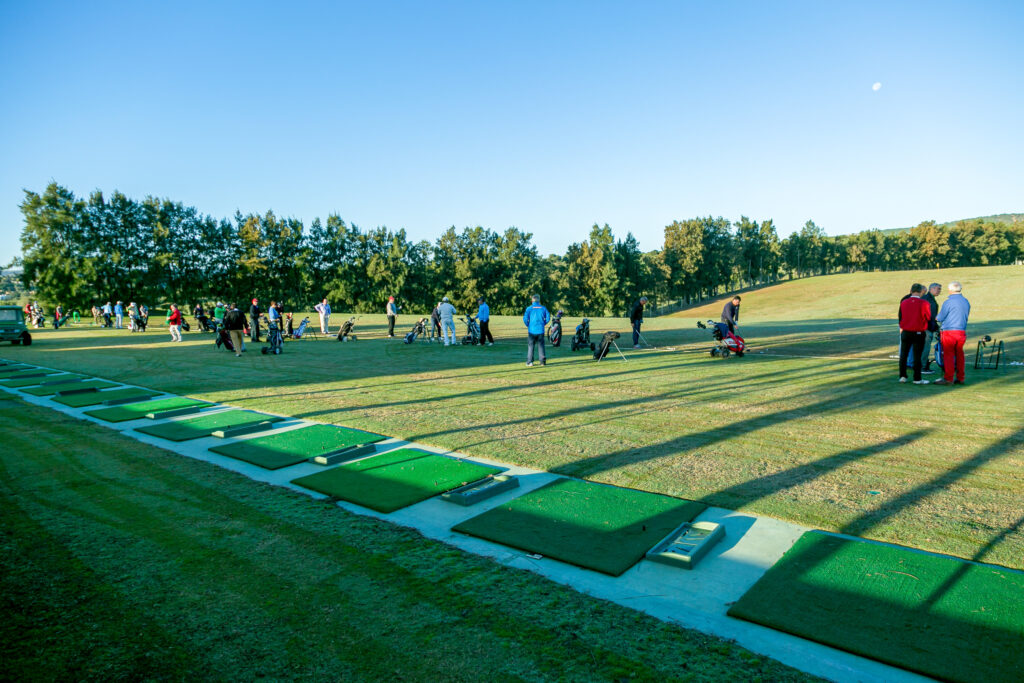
953	319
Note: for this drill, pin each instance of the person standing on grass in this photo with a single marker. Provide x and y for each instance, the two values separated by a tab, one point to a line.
953	320
914	315
174	323
95	314
119	315
274	314
934	289
108	311
483	316
446	312
218	313
731	314
254	320
435	321
636	319
323	309
535	318
391	310
58	313
234	323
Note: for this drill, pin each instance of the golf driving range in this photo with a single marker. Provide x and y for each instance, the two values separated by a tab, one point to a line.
867	524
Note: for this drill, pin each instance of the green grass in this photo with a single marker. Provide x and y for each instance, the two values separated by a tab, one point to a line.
803	432
205	425
17	381
298	445
136	411
51	390
945	618
395	479
95	398
121	561
599	527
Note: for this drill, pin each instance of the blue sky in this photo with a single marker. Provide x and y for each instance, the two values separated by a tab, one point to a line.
544	116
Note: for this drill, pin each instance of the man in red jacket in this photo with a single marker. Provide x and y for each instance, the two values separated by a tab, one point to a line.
914	315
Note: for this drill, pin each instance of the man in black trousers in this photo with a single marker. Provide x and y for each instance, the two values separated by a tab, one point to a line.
636	318
254	320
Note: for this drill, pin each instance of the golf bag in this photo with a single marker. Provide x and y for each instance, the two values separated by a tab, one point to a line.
185	327
297	334
555	331
581	340
140	323
62	322
607	339
726	342
937	350
274	337
345	333
222	338
472	331
419	328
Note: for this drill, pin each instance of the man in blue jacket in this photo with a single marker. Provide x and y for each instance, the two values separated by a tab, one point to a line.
483	316
953	319
535	318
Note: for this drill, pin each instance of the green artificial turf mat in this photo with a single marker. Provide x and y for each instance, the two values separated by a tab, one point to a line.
600	527
136	411
96	397
70	386
21	381
940	616
39	373
9	370
205	425
298	445
395	479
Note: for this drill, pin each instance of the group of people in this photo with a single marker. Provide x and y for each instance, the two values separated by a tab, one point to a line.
921	321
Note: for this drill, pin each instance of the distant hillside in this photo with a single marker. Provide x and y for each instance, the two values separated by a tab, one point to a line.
995	218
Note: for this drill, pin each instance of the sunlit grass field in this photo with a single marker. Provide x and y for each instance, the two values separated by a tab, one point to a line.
810	426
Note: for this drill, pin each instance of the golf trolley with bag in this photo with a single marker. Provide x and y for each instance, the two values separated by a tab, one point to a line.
472	337
274	337
555	331
418	330
345	333
581	340
726	342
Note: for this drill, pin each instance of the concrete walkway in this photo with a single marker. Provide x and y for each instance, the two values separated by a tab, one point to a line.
696	599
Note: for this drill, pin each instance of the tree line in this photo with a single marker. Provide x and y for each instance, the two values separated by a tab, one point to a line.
79	252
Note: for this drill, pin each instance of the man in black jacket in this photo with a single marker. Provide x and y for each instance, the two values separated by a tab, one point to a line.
254	320
636	318
934	289
731	314
234	323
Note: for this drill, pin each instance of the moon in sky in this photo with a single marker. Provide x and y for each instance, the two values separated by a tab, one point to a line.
876	87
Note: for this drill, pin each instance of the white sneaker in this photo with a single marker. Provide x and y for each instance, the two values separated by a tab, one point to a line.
920	381
902	380
529	365
490	343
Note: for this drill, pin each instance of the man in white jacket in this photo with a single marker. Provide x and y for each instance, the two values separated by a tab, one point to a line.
324	309
447	312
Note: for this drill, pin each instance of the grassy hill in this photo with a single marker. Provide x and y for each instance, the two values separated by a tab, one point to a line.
994	218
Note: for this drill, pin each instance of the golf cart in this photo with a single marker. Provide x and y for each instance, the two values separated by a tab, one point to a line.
12	326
